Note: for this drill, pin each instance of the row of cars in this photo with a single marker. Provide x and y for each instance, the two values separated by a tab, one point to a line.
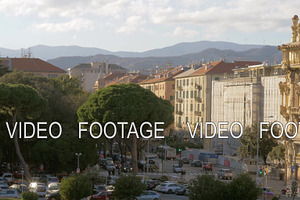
170	187
12	188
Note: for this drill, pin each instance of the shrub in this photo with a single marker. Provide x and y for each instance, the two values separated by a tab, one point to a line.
164	178
29	196
128	187
76	187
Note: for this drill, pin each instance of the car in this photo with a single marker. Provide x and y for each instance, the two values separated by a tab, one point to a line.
151	184
53	196
99	188
3	187
225	174
102	161
53	187
184	160
8	177
101	196
197	163
9	193
177	169
110	167
39	188
20	187
169	187
52	180
148	195
181	190
126	168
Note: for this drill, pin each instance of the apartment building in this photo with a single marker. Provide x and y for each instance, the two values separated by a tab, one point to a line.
193	93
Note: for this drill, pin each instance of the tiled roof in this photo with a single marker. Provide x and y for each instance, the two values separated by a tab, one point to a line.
31	65
165	76
113	76
221	67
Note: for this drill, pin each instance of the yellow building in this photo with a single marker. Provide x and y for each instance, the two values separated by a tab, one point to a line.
290	92
163	86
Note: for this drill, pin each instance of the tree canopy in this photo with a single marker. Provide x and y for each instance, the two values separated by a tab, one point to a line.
249	143
126	103
128	187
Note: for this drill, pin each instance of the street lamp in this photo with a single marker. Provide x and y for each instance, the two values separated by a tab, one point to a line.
78	154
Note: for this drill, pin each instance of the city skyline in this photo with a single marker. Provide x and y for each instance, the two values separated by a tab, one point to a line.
126	25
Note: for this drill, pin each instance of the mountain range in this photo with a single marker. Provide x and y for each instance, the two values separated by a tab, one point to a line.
179	54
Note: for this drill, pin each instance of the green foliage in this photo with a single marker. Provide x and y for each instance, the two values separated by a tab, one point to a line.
178	143
277	153
3	69
29	196
243	187
205	187
64	96
266	143
76	187
128	187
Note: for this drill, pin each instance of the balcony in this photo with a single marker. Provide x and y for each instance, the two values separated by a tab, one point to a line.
178	112
178	100
295	110
198	99
197	113
198	87
179	88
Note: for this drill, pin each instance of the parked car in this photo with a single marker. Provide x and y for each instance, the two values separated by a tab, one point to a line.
177	169
53	187
148	195
3	187
7	177
9	193
169	187
207	166
101	196
39	188
181	190
53	196
52	180
197	163
151	184
225	174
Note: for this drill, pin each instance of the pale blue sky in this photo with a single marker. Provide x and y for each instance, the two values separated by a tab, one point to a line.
139	25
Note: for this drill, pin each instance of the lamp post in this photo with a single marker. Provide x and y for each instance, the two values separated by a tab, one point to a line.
78	154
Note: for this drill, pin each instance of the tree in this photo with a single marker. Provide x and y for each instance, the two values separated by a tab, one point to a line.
205	187
20	101
278	153
249	142
64	96
76	187
126	103
128	187
243	187
3	69
29	196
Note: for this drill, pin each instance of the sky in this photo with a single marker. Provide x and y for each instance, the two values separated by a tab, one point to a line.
140	25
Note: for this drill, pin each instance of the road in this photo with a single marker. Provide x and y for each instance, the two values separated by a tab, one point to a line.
173	197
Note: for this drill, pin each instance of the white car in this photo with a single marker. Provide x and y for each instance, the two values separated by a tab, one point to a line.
39	188
169	187
148	195
53	187
52	180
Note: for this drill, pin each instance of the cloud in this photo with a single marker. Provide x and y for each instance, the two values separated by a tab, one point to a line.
182	32
132	24
128	15
78	24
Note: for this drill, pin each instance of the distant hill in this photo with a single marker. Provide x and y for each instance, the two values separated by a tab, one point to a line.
49	52
266	53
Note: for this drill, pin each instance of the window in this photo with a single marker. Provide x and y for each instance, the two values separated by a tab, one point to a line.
183	82
191	107
187	82
173	86
176	95
217	78
183	94
171	98
187	119
191	94
187	94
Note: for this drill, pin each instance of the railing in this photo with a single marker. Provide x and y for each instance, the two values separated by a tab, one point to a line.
198	87
179	100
